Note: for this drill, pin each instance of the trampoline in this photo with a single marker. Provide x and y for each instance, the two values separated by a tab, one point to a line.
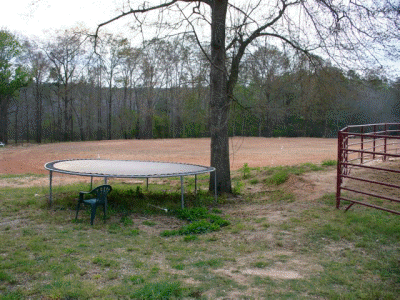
126	169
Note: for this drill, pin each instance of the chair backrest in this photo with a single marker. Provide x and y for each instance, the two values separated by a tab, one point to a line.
101	192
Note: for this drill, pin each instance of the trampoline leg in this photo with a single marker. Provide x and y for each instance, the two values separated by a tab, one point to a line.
147	183
91	183
51	188
182	191
215	186
195	185
105	180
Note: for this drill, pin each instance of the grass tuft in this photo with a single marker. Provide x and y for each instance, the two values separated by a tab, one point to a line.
201	221
329	163
159	290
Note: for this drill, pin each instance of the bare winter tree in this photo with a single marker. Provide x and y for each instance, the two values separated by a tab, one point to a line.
39	65
64	55
345	31
111	58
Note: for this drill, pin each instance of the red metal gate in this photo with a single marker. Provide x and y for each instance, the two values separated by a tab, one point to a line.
358	146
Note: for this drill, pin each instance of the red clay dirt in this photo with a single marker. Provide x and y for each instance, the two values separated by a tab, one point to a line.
257	152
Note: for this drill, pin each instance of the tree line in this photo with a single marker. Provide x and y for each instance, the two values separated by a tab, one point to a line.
70	90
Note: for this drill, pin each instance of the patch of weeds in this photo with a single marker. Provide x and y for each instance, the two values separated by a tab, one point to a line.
67	289
6	176
213	238
199	227
213	263
159	290
278	177
125	221
201	222
281	196
310	167
14	295
112	275
103	262
268	281
5	277
237	188
329	163
149	223
254	181
28	232
216	211
282	258
154	270
133	232
192	214
136	279
329	199
261	264
218	220
239	227
179	267
266	225
70	251
137	264
260	220
114	228
285	226
190	238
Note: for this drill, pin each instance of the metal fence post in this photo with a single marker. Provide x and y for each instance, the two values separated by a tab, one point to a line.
385	143
374	142
362	145
339	168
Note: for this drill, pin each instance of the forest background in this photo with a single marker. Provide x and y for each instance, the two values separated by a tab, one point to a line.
161	90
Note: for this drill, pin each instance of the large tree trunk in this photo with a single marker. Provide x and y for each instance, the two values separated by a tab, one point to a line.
219	103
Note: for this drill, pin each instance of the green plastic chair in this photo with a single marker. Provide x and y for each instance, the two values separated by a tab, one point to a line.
100	193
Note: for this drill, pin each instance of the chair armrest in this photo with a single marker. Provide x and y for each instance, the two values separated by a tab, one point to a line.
81	194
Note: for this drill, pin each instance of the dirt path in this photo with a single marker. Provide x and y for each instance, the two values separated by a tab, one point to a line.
257	152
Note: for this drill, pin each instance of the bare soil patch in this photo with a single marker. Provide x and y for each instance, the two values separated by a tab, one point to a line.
256	152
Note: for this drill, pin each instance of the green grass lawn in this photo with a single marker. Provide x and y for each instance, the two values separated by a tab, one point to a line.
275	243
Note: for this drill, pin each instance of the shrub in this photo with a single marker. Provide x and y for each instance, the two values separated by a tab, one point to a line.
246	171
192	214
279	177
199	227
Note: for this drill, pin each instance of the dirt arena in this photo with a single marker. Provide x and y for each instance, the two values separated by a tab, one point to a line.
257	152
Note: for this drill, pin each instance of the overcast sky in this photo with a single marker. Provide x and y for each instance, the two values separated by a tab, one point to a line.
39	18
35	17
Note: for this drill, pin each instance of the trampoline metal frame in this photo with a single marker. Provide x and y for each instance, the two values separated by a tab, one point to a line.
49	166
